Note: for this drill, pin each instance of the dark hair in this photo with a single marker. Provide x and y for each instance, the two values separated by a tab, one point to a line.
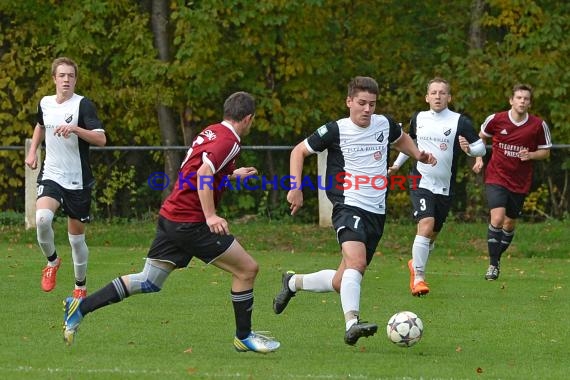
63	61
362	84
439	80
238	105
522	87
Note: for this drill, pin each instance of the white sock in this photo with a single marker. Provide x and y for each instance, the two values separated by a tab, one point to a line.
318	282
79	253
420	254
44	219
350	293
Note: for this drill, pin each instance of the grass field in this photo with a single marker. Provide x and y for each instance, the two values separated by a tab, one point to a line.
514	328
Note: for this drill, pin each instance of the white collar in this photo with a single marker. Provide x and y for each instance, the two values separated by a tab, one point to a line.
228	125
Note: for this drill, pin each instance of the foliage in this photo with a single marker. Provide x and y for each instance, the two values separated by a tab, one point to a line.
295	57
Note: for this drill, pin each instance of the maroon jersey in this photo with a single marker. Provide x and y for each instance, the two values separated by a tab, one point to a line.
218	146
505	167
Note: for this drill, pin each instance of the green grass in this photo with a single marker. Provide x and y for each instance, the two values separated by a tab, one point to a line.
513	328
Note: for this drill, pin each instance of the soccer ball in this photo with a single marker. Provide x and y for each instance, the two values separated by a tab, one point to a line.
405	329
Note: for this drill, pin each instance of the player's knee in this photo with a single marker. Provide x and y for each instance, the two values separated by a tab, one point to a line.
44	218
148	287
252	270
247	273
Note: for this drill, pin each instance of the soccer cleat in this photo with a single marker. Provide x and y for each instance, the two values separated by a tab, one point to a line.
419	289
492	273
79	293
71	319
359	330
256	342
282	299
49	274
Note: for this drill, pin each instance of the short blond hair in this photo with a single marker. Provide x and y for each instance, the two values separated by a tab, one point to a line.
63	61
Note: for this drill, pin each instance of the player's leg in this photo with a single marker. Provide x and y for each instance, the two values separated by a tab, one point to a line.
358	233
79	254
163	257
508	233
513	211
499	200
244	269
291	282
150	280
351	270
77	206
46	206
424	212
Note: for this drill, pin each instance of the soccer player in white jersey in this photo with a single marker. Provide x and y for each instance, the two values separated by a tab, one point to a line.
444	133
358	147
68	124
518	139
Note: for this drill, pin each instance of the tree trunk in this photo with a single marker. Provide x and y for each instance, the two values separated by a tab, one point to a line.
166	116
475	33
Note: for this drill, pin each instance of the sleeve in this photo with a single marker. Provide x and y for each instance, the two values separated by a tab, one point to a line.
40	115
88	116
487	126
220	155
466	129
323	137
544	138
395	130
413	126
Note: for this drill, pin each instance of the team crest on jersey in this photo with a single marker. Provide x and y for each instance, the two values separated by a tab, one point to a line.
381	137
377	155
447	133
68	117
322	130
210	135
443	146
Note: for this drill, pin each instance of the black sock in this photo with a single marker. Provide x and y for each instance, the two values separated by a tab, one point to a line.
494	236
53	257
506	239
243	308
113	292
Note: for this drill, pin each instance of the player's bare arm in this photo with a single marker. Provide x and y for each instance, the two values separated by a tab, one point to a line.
295	195
37	138
464	144
243	172
539	154
218	225
406	145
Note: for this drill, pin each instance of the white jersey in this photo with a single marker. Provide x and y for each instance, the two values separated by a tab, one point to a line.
437	133
356	151
67	159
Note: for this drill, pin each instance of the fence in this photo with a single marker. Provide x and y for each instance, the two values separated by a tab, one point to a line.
324	205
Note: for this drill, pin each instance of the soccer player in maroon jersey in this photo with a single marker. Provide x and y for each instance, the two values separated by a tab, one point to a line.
188	227
518	138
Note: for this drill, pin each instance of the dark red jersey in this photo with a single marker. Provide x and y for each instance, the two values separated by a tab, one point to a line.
505	168
218	146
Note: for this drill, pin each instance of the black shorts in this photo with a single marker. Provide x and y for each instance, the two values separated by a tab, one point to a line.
76	204
355	224
499	196
426	204
178	243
